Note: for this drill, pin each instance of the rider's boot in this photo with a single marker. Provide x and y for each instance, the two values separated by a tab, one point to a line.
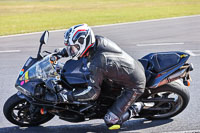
116	114
114	122
134	110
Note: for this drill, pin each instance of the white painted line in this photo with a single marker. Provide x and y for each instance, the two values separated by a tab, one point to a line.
146	21
196	50
10	51
33	33
190	52
159	44
98	26
186	131
193	52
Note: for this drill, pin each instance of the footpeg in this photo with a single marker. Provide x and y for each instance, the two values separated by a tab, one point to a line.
135	109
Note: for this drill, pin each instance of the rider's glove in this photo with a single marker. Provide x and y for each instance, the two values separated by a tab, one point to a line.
61	52
54	59
57	51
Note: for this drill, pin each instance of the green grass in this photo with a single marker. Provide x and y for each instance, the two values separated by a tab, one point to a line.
22	16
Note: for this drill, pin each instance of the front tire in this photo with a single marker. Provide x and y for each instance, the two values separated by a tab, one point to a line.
175	88
16	110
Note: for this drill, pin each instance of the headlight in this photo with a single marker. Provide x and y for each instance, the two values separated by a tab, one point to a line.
22	90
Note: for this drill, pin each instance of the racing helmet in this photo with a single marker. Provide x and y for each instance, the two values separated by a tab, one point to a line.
78	39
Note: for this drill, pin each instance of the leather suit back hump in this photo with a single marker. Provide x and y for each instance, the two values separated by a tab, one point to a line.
114	64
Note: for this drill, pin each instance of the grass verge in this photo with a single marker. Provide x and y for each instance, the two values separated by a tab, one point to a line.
22	16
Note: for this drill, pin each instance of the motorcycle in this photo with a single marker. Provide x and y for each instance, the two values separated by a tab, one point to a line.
166	94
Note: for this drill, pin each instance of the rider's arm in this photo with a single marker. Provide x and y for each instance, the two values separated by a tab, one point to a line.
61	52
91	92
95	79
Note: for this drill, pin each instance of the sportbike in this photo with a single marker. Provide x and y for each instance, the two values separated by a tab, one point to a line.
166	93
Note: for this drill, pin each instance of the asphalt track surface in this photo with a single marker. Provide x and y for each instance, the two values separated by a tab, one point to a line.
138	39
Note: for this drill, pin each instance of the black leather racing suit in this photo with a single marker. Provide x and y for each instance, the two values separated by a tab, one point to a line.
107	61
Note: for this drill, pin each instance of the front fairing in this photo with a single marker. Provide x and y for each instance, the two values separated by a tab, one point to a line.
33	73
41	70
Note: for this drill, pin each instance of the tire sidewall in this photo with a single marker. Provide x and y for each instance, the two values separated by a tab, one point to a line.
8	109
179	88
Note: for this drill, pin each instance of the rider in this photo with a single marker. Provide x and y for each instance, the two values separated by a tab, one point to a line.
105	61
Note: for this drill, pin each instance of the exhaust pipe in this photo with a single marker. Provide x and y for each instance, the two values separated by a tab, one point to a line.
175	76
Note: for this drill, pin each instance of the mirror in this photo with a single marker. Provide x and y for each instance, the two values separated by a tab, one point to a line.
43	40
44	37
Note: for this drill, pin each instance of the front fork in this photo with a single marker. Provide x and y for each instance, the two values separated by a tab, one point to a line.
33	109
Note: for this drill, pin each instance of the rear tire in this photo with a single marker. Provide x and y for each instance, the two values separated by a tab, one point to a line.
16	110
176	87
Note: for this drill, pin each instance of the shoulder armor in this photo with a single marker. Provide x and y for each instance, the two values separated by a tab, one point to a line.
106	45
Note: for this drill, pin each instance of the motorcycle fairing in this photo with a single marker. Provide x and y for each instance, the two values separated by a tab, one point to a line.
156	71
27	65
33	73
76	72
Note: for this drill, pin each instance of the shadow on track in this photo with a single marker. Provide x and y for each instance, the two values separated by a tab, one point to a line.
132	125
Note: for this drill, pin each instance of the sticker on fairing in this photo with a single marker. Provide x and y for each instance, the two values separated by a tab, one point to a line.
26	75
22	83
183	55
22	71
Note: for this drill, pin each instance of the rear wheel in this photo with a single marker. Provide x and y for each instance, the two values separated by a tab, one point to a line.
17	111
168	100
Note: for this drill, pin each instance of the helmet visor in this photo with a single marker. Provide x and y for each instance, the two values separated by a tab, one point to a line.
73	50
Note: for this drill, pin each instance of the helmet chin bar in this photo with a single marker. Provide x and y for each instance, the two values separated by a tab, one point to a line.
73	56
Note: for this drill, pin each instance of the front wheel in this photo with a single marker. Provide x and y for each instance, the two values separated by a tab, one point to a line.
169	100
17	111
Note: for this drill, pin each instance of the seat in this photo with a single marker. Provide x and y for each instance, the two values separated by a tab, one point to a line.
160	61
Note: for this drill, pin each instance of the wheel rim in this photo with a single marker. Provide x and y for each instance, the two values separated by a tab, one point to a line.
168	108
22	114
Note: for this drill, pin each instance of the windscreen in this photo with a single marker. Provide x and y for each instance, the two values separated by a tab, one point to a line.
41	70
